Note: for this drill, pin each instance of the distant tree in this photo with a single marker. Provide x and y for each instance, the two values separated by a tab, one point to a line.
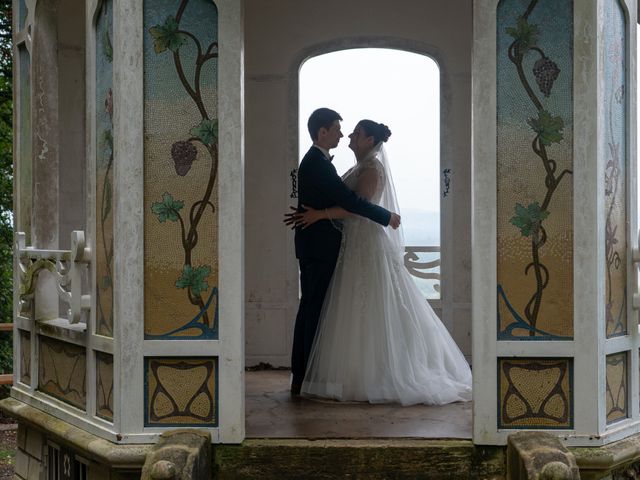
6	181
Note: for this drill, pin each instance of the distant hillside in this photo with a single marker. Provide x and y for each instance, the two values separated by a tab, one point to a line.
421	227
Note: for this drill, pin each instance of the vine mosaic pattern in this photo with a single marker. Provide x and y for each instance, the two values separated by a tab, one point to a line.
535	393
104	385
181	391
181	169
25	357
62	371
104	170
613	155
534	170
616	387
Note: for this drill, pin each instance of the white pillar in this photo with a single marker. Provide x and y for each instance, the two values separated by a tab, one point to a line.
554	132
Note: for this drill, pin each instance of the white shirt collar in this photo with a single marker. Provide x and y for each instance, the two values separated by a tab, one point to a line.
326	152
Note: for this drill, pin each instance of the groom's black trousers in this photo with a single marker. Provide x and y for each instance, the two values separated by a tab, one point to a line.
315	276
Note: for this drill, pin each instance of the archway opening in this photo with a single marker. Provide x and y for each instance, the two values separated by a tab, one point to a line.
402	90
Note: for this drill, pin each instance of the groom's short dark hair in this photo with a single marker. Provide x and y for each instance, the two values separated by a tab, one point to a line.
321	118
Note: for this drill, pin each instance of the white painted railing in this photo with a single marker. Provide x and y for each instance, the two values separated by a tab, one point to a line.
429	270
62	283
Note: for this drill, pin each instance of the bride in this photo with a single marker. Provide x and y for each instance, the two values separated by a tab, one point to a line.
378	339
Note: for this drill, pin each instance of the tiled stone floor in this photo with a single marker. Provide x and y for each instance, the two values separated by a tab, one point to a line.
272	413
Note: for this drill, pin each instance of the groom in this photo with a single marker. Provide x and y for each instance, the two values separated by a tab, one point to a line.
317	247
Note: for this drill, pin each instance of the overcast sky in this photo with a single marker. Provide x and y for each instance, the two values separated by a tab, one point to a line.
399	89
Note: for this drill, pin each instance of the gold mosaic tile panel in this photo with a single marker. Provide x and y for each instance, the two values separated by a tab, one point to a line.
613	156
62	371
104	385
104	170
535	393
25	357
181	169
181	391
534	170
616	387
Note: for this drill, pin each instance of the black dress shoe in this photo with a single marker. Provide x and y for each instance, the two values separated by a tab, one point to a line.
295	389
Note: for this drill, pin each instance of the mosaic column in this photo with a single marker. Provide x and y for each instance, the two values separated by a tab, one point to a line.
177	230
553	218
152	339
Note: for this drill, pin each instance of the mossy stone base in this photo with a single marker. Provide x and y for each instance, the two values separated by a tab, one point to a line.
615	461
370	459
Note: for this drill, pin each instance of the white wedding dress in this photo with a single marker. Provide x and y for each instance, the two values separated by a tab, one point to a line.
378	339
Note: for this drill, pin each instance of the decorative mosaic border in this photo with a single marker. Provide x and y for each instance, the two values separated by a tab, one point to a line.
547	385
617	387
104	386
158	396
55	378
25	357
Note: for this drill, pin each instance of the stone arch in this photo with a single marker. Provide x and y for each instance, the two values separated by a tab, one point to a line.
348	43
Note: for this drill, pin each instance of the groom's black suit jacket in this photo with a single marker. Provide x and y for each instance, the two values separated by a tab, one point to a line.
320	187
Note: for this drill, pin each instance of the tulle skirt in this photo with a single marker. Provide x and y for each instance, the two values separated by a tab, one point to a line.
378	339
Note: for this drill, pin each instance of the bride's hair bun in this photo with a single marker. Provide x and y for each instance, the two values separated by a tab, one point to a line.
379	131
385	133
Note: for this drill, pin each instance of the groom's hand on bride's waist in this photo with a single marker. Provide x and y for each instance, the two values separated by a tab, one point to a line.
291	217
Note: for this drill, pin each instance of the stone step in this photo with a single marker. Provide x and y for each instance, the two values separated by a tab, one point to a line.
357	458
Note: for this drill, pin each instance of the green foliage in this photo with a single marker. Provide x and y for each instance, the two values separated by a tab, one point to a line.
108	48
106	144
107	141
168	209
207	131
167	36
194	278
529	219
548	127
6	187
525	35
106	282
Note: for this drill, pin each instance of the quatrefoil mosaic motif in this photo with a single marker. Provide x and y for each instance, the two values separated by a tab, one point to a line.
104	386
62	371
535	393
181	391
616	387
